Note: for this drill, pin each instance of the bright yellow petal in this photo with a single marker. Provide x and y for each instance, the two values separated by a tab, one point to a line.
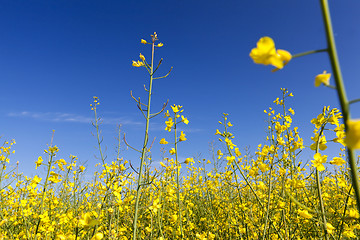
284	55
352	139
323	78
266	45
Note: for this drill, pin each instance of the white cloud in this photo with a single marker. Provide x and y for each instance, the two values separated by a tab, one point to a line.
71	117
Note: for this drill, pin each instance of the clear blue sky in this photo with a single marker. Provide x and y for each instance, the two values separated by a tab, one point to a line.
56	55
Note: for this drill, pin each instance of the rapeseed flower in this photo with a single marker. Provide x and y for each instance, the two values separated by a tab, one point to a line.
352	139
182	137
137	63
304	214
323	78
318	161
266	53
337	161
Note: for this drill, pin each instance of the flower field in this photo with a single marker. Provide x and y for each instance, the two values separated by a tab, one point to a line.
270	193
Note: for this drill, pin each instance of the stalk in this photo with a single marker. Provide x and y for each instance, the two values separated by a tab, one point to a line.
344	103
177	180
146	138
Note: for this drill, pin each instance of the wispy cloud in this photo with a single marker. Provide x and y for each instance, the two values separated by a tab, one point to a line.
71	117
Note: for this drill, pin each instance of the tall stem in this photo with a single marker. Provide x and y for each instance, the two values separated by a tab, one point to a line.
146	138
178	182
344	104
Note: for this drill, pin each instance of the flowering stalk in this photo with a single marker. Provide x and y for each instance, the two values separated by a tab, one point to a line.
146	138
318	184
51	153
148	116
344	103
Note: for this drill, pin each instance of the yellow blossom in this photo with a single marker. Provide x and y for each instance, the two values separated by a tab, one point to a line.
137	64
184	119
160	45
188	160
182	137
142	57
38	162
265	53
143	41
237	152
98	236
175	108
318	161
352	139
87	220
169	123
172	151
337	161
323	78
304	214
285	57
220	154
329	228
163	141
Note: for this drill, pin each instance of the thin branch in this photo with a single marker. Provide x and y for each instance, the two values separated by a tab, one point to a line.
151	144
145	88
309	52
165	75
133	167
354	101
158	66
129	145
162	109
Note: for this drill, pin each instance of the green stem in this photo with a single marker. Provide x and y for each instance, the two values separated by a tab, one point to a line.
321	204
354	101
177	180
318	184
144	149
309	52
341	93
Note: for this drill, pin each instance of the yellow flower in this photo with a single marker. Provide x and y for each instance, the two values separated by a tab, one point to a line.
38	162
237	152
137	64
352	139
163	141
329	228
318	161
265	53
87	220
182	137
337	161
220	154
285	57
304	214
175	108
160	45
143	41
184	119
188	160
142	57
98	236
323	78
169	124
322	143
172	151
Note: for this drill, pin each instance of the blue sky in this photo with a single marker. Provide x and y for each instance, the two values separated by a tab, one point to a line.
56	55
